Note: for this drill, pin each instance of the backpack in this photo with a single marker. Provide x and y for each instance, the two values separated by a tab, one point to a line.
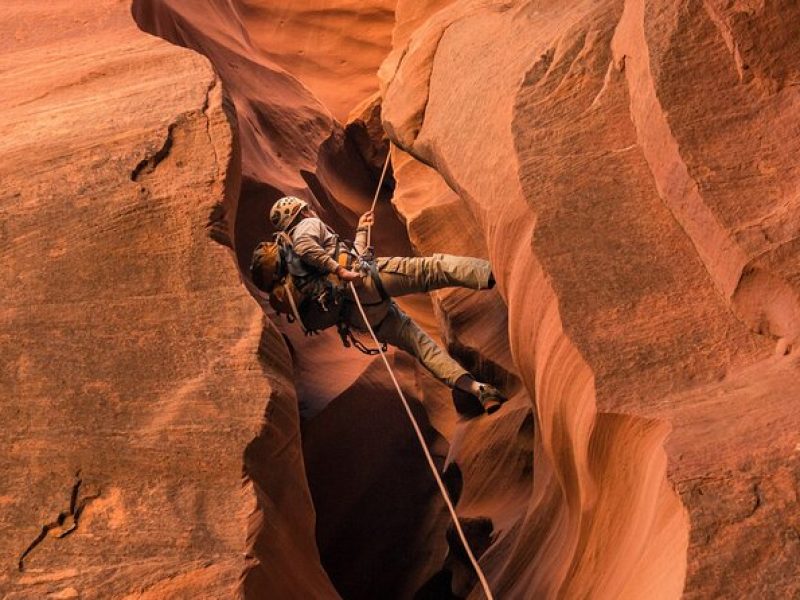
273	268
293	287
267	266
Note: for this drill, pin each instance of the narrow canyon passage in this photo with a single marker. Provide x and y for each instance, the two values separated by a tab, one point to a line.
382	529
629	169
613	294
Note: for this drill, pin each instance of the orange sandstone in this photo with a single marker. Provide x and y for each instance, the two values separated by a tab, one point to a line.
627	168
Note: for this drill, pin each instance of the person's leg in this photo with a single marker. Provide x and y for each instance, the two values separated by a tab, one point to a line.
467	383
401	275
399	330
490	397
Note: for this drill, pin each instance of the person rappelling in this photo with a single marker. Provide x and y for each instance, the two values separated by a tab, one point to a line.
319	280
312	276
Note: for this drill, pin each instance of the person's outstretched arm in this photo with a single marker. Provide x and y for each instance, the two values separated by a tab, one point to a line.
366	220
307	240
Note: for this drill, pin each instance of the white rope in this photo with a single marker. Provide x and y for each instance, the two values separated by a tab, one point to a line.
378	191
442	489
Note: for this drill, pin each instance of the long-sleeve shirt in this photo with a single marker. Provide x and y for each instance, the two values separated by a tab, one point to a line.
315	243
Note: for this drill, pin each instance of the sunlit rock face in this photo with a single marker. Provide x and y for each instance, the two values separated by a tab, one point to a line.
630	166
137	371
626	166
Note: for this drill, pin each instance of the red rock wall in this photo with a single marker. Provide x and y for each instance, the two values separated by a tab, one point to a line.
332	47
137	371
607	153
626	167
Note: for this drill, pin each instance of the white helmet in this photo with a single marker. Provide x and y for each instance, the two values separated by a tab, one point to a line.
285	210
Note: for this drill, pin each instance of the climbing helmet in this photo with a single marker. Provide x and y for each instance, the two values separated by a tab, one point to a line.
285	210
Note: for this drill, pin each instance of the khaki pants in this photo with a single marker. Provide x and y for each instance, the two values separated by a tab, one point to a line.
403	275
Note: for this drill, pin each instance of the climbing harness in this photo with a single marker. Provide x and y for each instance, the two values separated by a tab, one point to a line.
382	351
346	256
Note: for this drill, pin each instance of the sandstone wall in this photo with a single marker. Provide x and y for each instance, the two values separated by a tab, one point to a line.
611	155
137	372
625	165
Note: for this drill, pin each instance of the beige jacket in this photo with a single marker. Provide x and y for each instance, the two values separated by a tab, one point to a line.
315	243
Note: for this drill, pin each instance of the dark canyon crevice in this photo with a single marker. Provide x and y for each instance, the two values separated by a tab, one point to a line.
381	526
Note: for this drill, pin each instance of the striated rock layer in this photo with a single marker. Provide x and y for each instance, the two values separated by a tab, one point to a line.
625	165
134	439
629	165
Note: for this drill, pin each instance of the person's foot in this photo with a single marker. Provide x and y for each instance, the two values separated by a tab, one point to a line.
467	405
491	398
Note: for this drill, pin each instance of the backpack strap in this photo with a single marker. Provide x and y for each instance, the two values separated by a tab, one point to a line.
376	279
283	238
293	304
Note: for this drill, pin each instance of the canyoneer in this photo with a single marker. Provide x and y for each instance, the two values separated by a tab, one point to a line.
307	269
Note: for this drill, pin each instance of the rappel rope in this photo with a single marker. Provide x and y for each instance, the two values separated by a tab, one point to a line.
484	583
377	193
422	443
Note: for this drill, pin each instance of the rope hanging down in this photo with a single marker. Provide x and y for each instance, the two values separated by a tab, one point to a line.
424	446
377	193
443	490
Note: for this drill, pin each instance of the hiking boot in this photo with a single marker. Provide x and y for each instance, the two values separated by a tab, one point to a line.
491	398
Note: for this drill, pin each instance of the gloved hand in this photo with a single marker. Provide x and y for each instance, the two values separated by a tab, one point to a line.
366	220
347	275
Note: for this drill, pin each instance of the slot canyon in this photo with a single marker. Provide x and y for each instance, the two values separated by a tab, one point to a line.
629	167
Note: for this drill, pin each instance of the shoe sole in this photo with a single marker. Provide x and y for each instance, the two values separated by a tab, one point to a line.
492	406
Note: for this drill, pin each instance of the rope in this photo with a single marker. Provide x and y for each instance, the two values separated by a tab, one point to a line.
424	447
378	191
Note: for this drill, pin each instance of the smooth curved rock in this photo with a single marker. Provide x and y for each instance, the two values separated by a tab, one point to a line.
612	267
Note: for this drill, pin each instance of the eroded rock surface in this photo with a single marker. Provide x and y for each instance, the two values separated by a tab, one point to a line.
133	396
609	158
627	168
